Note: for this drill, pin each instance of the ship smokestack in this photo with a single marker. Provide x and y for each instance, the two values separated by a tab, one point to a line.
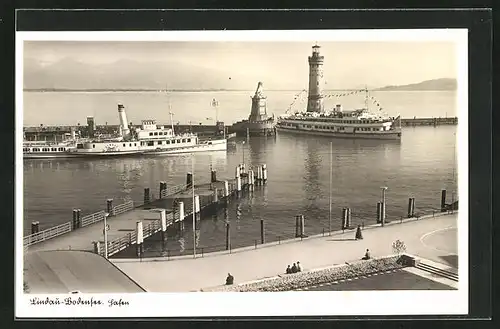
123	120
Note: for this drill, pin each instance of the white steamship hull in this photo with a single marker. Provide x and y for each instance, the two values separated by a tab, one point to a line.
105	154
384	135
57	155
209	146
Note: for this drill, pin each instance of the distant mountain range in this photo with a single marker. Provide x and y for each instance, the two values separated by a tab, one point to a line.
435	84
129	75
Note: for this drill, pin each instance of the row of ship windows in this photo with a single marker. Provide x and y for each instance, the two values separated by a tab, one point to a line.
344	121
151	143
44	149
333	128
158	133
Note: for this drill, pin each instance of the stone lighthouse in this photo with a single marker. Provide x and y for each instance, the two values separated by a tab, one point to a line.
315	96
258	123
259	105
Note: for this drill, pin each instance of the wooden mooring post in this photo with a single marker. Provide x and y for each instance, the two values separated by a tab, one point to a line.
228	236
109	207
443	200
163	231
411	207
299	226
262	234
139	238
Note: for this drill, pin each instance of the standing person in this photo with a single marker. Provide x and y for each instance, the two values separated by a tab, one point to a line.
229	279
299	268
294	268
359	235
288	270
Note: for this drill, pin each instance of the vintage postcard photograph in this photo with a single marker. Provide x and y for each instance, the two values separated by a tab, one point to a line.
241	173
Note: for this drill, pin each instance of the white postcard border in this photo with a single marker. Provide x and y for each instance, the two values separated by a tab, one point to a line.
259	304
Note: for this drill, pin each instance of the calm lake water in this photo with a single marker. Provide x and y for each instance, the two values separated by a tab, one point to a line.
298	166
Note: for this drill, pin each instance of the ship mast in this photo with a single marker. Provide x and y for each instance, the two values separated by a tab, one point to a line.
366	97
170	110
171	119
453	169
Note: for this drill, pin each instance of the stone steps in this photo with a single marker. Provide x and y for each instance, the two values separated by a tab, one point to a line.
437	271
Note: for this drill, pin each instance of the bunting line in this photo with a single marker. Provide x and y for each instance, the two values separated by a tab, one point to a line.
300	97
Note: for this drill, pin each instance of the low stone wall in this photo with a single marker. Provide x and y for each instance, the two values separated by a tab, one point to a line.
288	282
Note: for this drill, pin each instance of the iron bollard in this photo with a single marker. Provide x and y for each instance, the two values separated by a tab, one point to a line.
279	239
255	241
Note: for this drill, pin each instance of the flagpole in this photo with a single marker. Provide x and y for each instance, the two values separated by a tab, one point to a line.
330	200
194	208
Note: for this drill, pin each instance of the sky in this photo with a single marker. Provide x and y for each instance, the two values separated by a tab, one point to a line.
279	65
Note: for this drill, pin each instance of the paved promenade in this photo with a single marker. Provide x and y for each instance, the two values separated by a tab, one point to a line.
188	274
59	272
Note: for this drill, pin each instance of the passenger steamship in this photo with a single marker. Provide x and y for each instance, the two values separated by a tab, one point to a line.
356	123
149	139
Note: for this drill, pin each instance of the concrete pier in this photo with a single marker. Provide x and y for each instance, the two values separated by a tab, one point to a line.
129	225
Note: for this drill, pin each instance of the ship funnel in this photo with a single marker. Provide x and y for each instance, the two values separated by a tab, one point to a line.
123	120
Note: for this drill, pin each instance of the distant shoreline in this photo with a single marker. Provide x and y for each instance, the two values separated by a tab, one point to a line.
211	90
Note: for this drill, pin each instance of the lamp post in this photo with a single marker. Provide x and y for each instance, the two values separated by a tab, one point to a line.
215	104
105	232
453	171
194	208
384	188
330	199
243	143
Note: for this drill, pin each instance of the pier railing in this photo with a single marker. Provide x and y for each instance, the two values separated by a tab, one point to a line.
47	234
254	242
123	242
172	190
92	218
122	208
119	244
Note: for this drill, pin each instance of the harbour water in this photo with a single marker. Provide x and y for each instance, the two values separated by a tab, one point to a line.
419	166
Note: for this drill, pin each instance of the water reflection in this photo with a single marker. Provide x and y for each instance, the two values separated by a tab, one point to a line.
311	178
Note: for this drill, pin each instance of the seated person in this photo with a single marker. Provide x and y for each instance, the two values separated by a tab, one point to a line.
288	270
229	279
367	255
294	268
